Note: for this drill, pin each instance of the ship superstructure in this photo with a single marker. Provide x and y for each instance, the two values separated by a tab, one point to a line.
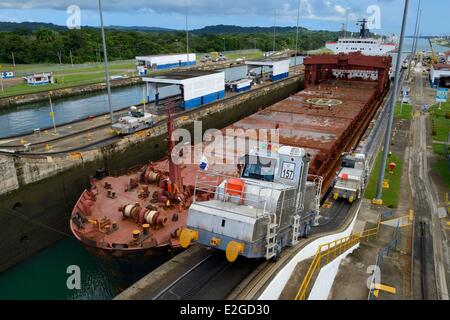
364	44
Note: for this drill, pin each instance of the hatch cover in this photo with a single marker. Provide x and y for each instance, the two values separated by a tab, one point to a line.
324	102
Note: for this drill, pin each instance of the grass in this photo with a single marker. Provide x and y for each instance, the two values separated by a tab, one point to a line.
240	54
250	54
65	75
25	69
404	112
441	128
441	167
320	51
441	125
390	196
62	82
88	73
440	149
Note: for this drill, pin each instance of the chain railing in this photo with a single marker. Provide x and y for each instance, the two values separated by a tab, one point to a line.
328	252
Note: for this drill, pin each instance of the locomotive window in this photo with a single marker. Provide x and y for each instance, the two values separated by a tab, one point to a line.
264	171
223	223
347	163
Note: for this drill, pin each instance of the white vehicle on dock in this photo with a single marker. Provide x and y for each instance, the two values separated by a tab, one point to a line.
351	179
136	120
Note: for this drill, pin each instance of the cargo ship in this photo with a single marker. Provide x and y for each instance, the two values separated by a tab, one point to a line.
129	221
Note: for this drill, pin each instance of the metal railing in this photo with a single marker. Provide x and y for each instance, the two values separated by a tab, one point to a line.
209	183
446	199
328	252
318	180
381	254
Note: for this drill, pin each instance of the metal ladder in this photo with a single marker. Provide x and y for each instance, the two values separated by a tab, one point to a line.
271	236
295	229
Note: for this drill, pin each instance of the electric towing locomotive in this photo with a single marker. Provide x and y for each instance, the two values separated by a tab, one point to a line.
258	214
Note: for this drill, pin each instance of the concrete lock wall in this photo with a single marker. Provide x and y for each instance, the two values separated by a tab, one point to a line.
276	286
65	92
325	279
37	194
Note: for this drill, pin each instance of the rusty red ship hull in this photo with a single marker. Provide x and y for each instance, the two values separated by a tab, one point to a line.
125	220
129	223
125	268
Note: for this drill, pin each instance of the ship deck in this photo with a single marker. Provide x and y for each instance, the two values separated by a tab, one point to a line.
107	207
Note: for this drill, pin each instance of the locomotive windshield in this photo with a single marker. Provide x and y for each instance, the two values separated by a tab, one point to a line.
259	169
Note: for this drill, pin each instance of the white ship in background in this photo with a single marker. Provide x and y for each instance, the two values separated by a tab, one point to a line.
364	44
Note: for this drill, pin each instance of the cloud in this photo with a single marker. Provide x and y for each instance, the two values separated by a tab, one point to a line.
340	9
311	9
8	18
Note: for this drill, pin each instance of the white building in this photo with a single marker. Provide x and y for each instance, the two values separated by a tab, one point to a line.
7	74
40	78
440	75
279	68
162	62
197	87
447	56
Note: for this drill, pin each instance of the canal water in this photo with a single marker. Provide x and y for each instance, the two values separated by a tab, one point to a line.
44	276
423	45
26	118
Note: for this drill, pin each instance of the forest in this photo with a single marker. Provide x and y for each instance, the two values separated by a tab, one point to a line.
48	44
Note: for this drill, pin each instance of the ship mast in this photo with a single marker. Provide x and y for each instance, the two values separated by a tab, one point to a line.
174	169
364	32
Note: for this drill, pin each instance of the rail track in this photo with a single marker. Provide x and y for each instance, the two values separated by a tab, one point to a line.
213	277
118	113
429	271
423	260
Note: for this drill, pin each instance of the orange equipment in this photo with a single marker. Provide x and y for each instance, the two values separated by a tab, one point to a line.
235	187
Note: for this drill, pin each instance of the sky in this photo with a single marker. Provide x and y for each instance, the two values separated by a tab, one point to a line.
314	14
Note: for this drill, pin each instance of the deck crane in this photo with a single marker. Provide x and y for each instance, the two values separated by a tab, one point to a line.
434	57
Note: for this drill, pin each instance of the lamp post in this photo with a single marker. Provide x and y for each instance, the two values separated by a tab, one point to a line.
415	39
71	57
187	32
105	54
297	31
274	29
387	140
52	113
